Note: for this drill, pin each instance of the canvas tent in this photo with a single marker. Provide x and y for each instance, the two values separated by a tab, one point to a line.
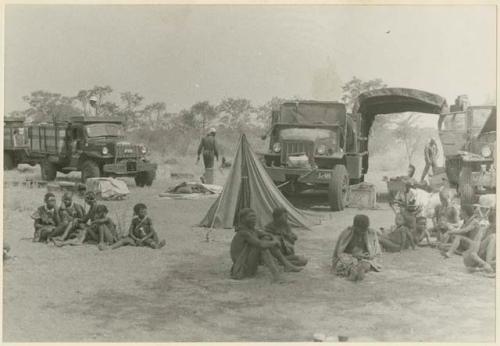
249	185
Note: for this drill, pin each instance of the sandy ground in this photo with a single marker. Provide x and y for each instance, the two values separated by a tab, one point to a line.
183	292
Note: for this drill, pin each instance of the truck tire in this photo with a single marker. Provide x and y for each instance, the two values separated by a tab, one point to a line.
8	161
90	169
338	189
465	187
49	170
145	178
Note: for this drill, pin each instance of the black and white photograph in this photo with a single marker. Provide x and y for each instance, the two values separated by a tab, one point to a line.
257	172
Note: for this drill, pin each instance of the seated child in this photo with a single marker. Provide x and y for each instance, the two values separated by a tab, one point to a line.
420	232
71	215
47	222
105	227
280	229
141	231
399	237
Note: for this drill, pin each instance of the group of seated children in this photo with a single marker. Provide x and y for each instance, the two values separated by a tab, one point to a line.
70	224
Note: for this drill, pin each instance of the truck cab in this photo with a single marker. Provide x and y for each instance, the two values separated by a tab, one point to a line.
96	146
468	137
15	143
312	144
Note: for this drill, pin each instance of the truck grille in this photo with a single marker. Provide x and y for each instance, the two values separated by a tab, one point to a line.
123	151
296	148
131	166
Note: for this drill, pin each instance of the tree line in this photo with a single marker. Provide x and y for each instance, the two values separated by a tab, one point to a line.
161	129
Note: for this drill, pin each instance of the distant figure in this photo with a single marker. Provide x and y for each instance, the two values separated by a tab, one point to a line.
92	107
430	156
208	147
409	178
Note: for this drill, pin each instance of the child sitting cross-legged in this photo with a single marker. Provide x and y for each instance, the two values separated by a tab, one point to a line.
141	231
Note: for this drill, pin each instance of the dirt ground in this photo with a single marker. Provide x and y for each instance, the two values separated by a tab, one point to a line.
183	292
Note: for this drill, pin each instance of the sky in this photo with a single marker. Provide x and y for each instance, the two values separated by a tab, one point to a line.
181	54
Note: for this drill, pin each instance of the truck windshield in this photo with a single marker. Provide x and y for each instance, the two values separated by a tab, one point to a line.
104	130
479	117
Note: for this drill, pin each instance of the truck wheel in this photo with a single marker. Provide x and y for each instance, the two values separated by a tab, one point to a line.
149	177
465	188
8	161
338	190
49	170
140	179
90	169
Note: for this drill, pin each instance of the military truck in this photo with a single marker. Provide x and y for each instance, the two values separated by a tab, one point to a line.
468	137
313	145
15	145
95	146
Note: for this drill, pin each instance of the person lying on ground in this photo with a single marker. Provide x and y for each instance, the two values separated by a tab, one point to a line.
446	216
281	230
421	231
104	226
481	256
462	238
141	231
251	247
356	250
399	238
47	223
71	215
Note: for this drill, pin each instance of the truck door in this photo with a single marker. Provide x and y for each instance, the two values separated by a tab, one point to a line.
453	132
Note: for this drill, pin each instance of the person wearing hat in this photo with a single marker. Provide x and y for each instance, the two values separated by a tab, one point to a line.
208	147
92	108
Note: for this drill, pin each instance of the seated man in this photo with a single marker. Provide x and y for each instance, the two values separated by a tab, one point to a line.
280	229
356	250
47	222
482	253
463	237
399	237
249	249
445	216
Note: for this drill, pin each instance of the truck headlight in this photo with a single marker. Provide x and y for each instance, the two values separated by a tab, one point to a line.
321	150
486	151
105	151
277	147
144	150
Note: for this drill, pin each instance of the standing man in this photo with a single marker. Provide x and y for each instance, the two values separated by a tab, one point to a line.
92	108
430	156
208	147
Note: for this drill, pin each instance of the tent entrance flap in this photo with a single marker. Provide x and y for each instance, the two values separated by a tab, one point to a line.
395	100
249	185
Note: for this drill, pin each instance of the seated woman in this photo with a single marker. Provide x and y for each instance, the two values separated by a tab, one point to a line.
249	249
482	253
356	250
281	230
71	214
399	237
